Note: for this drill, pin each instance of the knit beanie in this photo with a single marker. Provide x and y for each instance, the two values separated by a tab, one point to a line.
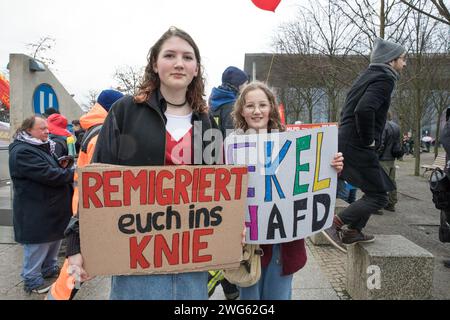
107	97
385	51
234	76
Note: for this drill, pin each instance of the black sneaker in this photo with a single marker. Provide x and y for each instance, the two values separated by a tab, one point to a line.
351	236
378	212
333	236
43	288
390	208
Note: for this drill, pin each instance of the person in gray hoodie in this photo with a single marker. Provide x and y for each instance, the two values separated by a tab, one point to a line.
222	98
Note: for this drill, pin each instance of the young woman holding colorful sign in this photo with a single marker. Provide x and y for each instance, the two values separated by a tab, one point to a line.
256	110
157	127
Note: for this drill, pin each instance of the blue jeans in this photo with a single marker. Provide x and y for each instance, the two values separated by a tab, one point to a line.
272	285
181	286
39	261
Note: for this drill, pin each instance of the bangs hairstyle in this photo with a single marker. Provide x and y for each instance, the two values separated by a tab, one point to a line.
274	115
151	82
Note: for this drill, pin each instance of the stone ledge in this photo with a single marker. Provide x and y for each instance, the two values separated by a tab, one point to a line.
392	266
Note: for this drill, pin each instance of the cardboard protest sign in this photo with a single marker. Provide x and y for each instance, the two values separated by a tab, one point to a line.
161	219
291	187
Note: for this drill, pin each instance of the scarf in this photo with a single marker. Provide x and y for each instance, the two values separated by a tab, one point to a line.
25	137
388	68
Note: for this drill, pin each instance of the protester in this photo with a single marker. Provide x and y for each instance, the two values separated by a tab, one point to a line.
91	123
49	111
389	150
407	148
222	98
65	141
256	109
167	112
362	121
41	202
78	131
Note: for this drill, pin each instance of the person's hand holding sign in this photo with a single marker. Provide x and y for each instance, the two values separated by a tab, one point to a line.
338	162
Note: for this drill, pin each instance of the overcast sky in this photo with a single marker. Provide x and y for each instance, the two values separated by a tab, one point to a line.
94	37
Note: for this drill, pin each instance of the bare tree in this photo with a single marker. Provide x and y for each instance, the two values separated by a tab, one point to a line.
128	78
91	98
375	18
423	42
319	33
441	101
40	50
442	8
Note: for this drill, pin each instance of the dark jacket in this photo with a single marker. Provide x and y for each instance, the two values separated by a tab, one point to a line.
221	103
79	136
390	147
445	215
61	148
42	193
362	122
134	134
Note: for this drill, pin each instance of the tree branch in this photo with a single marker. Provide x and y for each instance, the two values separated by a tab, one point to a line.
441	8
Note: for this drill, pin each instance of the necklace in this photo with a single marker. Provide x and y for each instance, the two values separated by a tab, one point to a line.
176	105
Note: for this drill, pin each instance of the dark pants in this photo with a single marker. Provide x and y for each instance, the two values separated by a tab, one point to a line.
389	168
358	213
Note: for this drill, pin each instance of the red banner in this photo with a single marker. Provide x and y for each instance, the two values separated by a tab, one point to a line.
4	91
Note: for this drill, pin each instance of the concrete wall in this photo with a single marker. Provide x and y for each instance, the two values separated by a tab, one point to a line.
4	160
23	83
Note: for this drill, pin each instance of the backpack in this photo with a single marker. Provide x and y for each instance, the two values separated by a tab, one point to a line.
440	188
249	272
87	137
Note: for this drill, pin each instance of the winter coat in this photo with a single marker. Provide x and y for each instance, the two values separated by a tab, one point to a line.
134	134
42	193
61	148
91	124
221	103
362	122
390	147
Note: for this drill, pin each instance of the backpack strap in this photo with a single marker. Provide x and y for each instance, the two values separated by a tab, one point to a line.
90	133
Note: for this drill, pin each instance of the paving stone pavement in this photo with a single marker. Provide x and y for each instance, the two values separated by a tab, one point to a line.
310	283
333	263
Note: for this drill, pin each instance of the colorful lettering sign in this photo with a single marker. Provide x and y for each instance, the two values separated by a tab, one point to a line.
291	184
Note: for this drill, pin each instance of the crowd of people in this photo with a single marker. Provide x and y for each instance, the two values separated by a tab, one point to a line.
168	104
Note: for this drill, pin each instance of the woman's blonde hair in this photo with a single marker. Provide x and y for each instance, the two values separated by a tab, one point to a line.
274	116
196	89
